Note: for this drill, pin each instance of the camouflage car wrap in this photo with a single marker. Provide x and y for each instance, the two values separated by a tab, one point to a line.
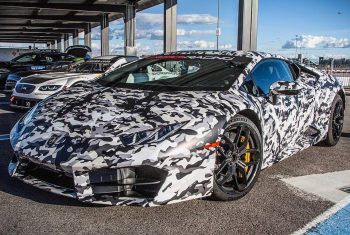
80	130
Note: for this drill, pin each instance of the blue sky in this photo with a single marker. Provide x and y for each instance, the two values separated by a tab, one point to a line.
322	26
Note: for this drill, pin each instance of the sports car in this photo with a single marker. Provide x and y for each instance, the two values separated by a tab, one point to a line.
205	127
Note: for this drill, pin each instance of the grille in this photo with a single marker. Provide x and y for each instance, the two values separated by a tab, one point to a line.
142	181
24	88
52	177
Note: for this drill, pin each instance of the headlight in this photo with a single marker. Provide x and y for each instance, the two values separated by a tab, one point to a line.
49	88
150	136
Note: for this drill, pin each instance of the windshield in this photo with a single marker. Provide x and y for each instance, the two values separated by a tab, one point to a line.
92	67
156	73
25	58
62	66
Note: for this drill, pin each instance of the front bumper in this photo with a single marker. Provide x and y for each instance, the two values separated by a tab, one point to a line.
23	103
143	185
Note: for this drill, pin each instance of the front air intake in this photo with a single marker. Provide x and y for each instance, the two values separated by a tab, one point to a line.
142	181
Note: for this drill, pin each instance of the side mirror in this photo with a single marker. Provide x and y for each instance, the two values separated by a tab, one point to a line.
283	88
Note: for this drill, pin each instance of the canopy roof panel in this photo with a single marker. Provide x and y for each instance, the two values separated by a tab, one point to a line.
60	16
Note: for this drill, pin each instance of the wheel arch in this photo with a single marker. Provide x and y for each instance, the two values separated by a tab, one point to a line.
342	96
252	116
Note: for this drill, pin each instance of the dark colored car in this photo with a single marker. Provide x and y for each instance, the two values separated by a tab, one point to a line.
40	60
60	66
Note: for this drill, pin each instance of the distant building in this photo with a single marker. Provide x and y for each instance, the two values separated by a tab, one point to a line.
305	61
337	63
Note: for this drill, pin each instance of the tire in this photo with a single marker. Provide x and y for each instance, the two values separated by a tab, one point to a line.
335	124
233	190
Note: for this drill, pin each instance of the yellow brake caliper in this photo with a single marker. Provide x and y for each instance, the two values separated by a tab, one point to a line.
247	155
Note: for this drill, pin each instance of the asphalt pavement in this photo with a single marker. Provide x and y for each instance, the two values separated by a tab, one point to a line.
272	207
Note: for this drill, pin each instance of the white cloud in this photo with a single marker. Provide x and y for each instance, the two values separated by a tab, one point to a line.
150	20
116	33
226	46
95	35
96	49
183	32
202	44
117	48
199	44
157	34
149	26
311	41
196	19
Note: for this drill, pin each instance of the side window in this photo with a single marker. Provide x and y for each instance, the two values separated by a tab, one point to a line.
27	58
268	72
49	59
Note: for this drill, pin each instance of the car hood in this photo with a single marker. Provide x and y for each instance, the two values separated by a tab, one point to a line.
92	118
27	73
55	77
91	110
78	50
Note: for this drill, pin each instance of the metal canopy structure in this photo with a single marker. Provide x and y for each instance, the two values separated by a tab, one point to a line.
36	20
54	21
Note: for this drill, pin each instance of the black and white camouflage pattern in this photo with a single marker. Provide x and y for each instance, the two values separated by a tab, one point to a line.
89	120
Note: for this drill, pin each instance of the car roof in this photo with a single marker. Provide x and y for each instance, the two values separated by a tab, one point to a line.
109	58
220	54
42	52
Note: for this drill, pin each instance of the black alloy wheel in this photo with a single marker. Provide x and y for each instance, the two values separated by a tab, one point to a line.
338	120
335	124
239	159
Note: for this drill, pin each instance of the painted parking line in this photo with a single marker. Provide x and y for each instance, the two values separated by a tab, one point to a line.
4	137
336	220
5	102
325	185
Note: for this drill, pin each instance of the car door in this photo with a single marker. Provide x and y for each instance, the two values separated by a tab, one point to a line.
308	81
281	114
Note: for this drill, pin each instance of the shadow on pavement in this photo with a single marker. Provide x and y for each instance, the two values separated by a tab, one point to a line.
6	107
17	188
345	134
8	119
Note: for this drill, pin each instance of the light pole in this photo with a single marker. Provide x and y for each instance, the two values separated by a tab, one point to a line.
218	33
296	46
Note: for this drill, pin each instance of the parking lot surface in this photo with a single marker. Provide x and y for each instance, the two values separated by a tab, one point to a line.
272	207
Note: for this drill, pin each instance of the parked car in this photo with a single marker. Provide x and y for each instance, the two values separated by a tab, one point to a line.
206	131
40	60
34	88
59	66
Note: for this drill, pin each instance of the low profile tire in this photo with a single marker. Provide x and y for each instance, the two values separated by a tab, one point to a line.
336	122
239	160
